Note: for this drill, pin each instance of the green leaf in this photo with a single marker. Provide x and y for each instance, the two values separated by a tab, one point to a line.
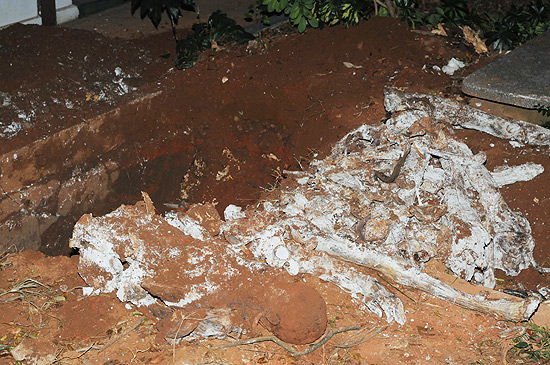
314	22
302	25
294	11
521	345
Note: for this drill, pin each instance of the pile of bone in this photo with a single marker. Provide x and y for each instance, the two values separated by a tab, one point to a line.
392	197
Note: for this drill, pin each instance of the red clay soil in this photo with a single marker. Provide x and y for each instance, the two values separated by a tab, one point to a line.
211	139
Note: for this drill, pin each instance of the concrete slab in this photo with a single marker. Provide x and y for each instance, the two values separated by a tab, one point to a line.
521	78
508	111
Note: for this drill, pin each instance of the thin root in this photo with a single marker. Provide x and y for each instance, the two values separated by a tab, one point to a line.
358	338
287	346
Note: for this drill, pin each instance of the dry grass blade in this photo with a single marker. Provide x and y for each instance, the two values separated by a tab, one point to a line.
123	334
23	288
21	291
357	338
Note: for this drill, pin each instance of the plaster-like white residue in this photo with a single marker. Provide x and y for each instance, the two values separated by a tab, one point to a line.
108	263
319	234
516	144
315	163
231	271
147	301
269	241
434	177
233	212
402	122
197	270
10	130
102	95
300	200
129	288
544	291
121	88
187	225
323	222
198	256
346	179
174	252
452	66
6	99
253	265
268	207
87	290
506	175
292	267
196	292
282	253
292	210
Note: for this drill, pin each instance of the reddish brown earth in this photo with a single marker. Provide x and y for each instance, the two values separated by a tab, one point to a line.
204	140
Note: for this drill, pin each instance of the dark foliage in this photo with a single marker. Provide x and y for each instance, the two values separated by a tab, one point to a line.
219	29
153	9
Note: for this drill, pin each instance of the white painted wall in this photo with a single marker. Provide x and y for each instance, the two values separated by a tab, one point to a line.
26	11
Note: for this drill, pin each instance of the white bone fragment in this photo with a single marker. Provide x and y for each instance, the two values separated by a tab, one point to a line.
232	212
506	175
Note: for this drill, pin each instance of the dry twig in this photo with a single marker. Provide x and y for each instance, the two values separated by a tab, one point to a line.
123	334
287	346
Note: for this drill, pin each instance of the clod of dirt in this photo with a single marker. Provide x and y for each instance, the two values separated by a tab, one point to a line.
181	261
295	313
35	351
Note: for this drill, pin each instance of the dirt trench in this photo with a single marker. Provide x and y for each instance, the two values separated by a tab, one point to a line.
186	137
77	141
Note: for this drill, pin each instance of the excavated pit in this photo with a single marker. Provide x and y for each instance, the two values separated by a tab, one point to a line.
188	137
103	166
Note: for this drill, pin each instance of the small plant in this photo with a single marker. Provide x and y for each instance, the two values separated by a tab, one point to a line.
408	12
258	12
218	31
534	343
317	13
346	12
518	26
452	13
153	9
544	110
